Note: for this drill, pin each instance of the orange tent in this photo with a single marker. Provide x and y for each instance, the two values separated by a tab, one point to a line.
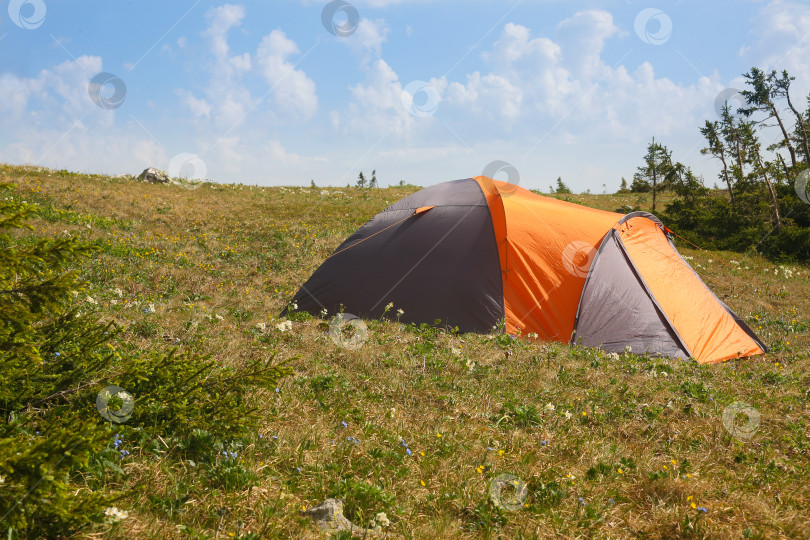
474	252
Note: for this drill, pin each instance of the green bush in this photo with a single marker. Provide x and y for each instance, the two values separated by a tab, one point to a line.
58	467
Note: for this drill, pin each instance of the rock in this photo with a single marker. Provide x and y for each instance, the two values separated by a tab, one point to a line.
329	517
154	176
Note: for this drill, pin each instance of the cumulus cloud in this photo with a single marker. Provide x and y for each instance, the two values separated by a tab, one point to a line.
781	31
292	89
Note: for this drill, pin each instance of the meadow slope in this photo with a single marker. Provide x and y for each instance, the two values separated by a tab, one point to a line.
418	422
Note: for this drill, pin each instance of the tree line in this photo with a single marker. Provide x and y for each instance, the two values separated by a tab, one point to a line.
757	207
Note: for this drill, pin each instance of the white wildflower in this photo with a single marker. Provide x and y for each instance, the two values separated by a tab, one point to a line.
390	305
324	313
114	514
568	415
118	292
382	519
219	317
456	351
284	326
324	193
2	479
628	349
470	365
113	302
74	293
400	312
90	300
550	407
261	326
294	306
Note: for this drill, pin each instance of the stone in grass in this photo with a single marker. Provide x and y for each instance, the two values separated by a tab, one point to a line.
154	176
329	517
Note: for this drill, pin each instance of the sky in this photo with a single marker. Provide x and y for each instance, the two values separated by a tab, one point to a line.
286	92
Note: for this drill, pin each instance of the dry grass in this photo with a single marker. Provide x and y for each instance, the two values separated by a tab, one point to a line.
644	440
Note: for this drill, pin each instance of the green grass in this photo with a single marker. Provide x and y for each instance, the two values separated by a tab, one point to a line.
606	446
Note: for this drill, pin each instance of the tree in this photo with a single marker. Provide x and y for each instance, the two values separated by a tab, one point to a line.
717	149
652	175
760	98
623	186
373	182
361	180
561	187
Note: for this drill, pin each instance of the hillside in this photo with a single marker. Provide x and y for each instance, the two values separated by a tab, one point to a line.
418	422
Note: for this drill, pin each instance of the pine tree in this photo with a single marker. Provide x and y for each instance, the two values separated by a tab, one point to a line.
361	180
373	182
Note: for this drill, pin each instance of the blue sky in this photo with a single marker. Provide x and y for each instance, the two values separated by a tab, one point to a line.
422	91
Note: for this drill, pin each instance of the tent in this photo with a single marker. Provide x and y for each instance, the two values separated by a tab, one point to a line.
473	252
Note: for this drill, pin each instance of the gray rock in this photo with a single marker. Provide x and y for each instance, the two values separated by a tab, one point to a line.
154	176
329	517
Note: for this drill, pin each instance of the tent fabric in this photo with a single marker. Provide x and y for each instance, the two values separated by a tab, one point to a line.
473	252
424	257
617	310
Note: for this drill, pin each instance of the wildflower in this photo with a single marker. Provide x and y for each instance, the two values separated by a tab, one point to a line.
628	349
693	505
150	308
621	471
689	498
479	469
582	501
544	442
74	293
90	300
389	307
400	312
284	326
455	351
611	501
702	509
344	424
500	452
294	306
408	451
423	483
584	414
403	443
568	415
324	313
114	514
219	317
421	453
2	479
382	519
549	407
673	462
439	435
117	292
261	326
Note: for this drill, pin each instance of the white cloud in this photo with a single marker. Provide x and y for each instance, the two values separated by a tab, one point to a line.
782	33
293	90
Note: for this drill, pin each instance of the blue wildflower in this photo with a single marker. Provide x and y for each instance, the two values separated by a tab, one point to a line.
344	424
545	442
408	451
582	501
702	509
403	443
611	501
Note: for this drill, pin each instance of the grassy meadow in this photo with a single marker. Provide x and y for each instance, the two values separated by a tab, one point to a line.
422	423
